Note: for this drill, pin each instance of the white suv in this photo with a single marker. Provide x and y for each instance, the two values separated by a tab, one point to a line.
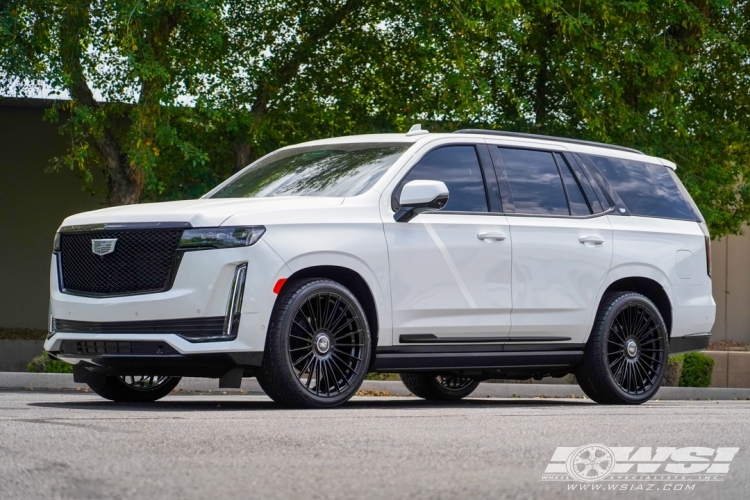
447	258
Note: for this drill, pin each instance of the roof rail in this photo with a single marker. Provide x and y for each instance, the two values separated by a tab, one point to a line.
546	138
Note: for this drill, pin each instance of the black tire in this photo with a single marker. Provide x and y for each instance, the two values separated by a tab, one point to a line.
318	346
625	359
138	389
436	387
266	386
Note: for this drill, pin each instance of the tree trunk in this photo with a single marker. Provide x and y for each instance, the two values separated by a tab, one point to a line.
124	180
243	156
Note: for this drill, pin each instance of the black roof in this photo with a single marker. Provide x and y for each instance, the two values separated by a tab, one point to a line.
503	133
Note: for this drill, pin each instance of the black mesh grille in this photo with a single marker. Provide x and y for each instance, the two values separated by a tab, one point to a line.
141	262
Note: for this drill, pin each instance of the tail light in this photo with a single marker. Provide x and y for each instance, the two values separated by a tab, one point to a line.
707	237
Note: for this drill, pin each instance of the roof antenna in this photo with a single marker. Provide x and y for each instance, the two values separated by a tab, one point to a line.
416	130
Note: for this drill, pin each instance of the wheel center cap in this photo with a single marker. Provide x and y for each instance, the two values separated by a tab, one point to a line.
323	344
631	348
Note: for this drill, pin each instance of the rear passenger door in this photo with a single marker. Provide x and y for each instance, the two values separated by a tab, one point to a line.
561	242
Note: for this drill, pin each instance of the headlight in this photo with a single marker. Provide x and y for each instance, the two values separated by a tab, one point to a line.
220	237
56	243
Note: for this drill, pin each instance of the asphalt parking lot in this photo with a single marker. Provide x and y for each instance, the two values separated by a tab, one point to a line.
75	445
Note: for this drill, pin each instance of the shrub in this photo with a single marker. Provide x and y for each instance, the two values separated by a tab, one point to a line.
696	370
674	370
45	364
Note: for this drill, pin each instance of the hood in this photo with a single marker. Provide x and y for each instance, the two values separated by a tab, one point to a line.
199	213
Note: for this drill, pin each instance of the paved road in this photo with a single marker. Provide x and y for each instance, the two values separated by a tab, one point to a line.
75	445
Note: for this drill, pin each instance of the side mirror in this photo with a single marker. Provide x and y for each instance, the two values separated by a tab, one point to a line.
421	196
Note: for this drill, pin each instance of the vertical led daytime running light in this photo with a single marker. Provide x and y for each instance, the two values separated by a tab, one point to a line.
234	305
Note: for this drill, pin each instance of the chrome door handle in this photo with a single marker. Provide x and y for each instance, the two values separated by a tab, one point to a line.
490	235
596	240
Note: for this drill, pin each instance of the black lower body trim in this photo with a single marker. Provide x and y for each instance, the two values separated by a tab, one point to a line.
689	343
519	361
191	329
429	338
168	362
90	348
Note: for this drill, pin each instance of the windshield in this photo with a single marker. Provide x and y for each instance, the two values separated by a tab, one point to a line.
330	170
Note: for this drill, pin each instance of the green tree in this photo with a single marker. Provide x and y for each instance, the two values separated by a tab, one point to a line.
671	78
192	90
196	89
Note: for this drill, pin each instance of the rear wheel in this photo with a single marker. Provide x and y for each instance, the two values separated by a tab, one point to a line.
439	387
134	389
626	356
318	346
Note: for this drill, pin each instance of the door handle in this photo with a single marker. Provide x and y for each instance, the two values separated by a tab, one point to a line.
491	235
596	240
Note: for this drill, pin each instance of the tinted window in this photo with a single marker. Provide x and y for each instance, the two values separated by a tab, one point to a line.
534	182
458	167
585	183
336	170
645	188
578	205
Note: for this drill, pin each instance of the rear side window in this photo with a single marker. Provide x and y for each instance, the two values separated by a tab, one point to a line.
535	182
646	189
458	167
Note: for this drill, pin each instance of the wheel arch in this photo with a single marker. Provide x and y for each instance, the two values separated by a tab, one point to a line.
651	289
357	285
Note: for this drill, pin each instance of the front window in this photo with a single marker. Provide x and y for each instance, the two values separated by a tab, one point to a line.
336	170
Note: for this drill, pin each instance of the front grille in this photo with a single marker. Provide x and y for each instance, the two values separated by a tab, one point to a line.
109	347
141	262
189	327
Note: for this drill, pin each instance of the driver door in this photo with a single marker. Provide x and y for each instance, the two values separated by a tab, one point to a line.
450	270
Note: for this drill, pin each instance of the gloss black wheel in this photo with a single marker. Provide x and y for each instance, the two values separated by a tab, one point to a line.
318	347
626	357
439	387
134	388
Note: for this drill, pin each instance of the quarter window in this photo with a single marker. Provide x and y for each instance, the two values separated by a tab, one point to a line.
578	205
535	182
645	188
458	167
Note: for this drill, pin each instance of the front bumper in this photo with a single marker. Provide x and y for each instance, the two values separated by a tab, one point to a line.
200	291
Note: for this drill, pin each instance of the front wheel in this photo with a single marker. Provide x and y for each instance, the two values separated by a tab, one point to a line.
134	389
318	346
439	387
626	356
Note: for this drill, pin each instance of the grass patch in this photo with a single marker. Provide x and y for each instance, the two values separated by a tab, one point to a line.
22	334
382	376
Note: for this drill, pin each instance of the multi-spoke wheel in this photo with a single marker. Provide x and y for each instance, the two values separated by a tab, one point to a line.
439	387
318	346
135	388
626	356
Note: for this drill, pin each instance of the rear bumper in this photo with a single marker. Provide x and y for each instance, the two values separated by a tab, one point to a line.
689	343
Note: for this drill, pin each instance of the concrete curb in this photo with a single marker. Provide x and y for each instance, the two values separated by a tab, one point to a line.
64	381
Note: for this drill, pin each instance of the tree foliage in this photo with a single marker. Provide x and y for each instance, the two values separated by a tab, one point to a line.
192	90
